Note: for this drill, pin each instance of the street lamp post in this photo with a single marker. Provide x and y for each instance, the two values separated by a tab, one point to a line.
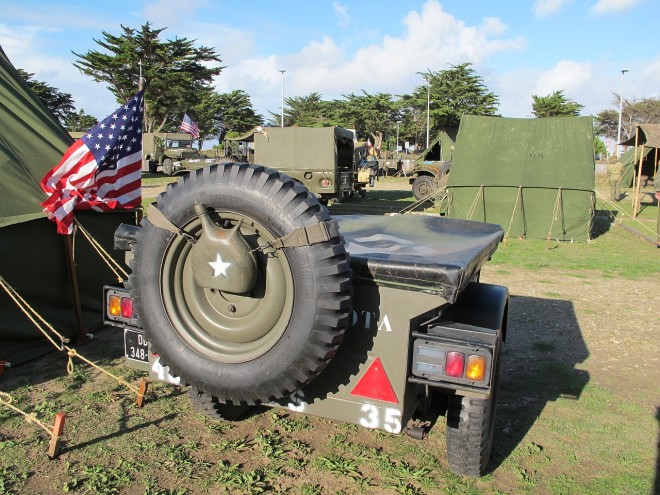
428	109
397	135
618	135
282	108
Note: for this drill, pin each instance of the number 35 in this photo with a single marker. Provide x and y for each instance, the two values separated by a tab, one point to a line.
391	423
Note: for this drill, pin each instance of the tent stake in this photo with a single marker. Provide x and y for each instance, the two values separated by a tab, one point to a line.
58	428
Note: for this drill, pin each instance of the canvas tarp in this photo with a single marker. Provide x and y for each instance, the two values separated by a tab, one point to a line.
534	177
302	147
32	255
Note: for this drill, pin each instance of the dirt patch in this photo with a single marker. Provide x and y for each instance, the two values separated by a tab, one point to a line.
607	327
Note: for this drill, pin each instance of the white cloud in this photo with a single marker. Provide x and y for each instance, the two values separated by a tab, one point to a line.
608	6
341	11
544	8
432	39
493	26
566	75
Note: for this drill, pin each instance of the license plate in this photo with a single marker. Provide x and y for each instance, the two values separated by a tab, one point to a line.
136	346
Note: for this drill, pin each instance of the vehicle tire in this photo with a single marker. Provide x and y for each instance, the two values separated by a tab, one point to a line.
168	166
470	428
422	187
212	408
153	167
260	345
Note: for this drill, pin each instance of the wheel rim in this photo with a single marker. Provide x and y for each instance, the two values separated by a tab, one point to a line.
224	327
425	188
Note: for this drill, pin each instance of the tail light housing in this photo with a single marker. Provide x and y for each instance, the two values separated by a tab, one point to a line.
118	307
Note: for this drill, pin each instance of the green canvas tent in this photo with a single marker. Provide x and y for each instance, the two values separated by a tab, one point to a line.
534	177
33	257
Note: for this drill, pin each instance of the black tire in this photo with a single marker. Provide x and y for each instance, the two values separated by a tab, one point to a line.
242	348
212	408
153	167
168	166
422	187
470	429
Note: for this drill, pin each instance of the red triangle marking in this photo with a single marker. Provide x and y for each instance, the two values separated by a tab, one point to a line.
375	384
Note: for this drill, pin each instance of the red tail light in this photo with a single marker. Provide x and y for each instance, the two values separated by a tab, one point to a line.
455	364
127	307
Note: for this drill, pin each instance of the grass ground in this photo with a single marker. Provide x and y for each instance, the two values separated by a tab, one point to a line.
578	410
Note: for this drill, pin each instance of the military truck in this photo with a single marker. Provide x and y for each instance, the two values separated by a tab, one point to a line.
172	152
321	159
429	171
244	289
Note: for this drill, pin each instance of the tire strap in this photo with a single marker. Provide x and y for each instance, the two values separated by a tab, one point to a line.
308	235
158	219
300	237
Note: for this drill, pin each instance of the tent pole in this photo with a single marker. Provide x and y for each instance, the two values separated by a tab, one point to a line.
73	279
639	184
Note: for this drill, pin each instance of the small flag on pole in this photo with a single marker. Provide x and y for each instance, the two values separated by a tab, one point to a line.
189	126
101	171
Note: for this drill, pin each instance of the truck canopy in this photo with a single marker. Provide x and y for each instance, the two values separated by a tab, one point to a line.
303	147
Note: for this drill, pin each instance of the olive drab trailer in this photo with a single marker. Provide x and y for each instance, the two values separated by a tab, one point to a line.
244	288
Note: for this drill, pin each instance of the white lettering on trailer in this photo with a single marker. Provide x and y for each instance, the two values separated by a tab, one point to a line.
391	423
297	403
367	319
163	373
385	324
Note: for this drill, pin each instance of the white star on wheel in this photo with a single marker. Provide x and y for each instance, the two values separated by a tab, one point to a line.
219	266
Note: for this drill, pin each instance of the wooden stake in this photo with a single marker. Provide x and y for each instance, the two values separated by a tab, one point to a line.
144	385
58	428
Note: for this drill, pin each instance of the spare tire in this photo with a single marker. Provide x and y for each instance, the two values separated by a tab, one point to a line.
265	343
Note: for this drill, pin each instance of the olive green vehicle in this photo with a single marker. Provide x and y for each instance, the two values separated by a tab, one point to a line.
321	159
171	152
429	171
245	290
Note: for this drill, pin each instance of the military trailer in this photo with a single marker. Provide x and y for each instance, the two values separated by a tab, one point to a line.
243	288
321	158
172	152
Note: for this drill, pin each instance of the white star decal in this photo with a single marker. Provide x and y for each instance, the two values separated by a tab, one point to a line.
219	266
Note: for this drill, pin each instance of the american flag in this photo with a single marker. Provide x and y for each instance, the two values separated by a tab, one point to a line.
188	125
100	171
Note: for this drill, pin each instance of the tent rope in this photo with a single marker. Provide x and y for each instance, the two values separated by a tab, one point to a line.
474	203
555	212
611	203
513	214
416	204
31	313
114	266
6	399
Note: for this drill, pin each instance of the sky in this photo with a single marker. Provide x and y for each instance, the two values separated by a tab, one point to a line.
339	47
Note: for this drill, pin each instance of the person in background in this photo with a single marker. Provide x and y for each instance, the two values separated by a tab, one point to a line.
614	175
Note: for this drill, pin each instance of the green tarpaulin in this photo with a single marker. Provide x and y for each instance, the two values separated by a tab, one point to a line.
32	255
534	177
